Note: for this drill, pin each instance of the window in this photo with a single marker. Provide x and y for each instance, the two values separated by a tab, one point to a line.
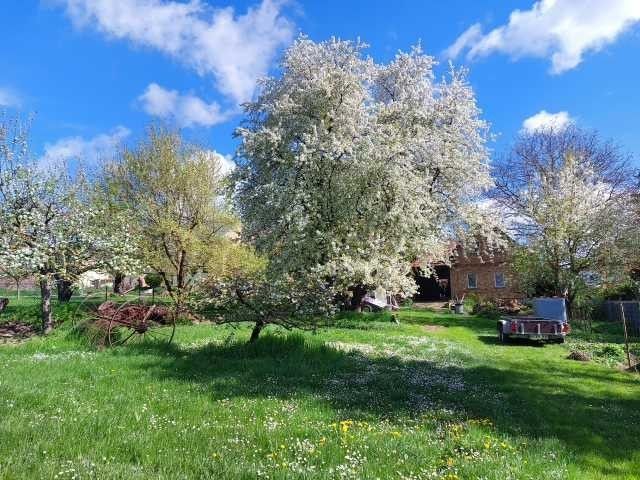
500	280
472	280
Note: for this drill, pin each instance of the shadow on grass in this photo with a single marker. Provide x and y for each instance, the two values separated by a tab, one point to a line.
513	342
586	411
470	322
27	310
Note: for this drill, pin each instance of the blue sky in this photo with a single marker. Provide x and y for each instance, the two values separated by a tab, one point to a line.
95	72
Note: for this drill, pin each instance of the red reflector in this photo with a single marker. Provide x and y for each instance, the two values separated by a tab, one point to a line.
566	328
514	327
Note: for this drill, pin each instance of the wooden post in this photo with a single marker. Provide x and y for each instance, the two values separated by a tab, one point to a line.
626	336
153	295
106	293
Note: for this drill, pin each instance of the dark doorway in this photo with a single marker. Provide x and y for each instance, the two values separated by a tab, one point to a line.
435	287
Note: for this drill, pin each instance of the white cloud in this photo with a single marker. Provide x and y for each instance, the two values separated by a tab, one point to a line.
470	36
562	30
9	98
235	49
87	151
226	162
186	110
545	120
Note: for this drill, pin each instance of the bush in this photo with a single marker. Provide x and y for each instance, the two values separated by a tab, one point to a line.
486	309
629	290
153	280
406	302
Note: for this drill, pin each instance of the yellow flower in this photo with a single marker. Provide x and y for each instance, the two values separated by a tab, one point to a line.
450	462
345	425
396	434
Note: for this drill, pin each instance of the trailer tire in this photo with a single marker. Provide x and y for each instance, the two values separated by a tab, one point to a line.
502	338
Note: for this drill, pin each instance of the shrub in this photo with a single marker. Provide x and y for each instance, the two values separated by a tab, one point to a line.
486	309
629	290
153	280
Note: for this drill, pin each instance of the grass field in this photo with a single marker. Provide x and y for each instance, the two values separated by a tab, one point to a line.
432	398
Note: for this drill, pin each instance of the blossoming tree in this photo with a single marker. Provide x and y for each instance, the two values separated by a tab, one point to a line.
48	226
350	169
565	195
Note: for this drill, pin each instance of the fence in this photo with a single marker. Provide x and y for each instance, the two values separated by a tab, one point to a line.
612	311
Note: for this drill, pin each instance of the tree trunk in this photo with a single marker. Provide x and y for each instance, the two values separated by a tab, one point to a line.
45	303
181	280
65	290
256	331
569	301
180	273
18	289
359	291
118	278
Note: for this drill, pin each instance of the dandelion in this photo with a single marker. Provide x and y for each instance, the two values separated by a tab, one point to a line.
345	425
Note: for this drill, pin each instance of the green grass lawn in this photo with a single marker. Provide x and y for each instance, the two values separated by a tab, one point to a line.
432	398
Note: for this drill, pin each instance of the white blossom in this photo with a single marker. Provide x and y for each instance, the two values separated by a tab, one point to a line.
350	169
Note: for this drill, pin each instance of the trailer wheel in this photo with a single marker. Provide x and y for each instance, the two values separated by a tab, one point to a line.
502	338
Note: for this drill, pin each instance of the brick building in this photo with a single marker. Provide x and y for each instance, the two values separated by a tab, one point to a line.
486	275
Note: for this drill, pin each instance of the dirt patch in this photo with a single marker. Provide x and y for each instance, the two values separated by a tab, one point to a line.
433	328
431	306
13	331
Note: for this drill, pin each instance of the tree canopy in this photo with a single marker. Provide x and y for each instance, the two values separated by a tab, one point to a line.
173	193
349	169
565	195
49	226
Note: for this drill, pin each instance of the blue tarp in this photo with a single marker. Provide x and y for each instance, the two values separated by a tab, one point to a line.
551	308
